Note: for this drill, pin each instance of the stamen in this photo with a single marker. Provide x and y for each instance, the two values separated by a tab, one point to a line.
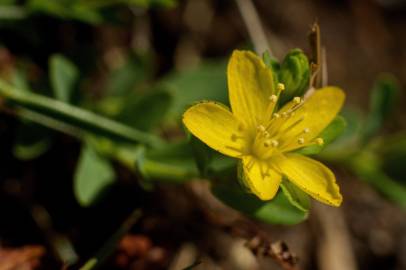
300	141
297	100
276	115
306	130
261	128
274	143
273	98
319	141
280	87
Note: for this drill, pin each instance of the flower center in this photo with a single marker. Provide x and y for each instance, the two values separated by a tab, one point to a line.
279	131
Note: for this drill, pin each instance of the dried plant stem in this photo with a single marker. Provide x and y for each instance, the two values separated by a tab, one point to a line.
254	26
334	251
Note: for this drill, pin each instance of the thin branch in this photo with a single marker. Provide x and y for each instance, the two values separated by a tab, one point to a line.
254	26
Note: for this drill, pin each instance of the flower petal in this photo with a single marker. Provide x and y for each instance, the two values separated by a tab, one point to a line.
317	112
250	84
261	179
310	175
216	126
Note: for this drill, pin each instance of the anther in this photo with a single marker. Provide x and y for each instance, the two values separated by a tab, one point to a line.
297	100
280	87
276	115
273	98
267	143
306	130
266	134
261	128
319	141
274	143
300	141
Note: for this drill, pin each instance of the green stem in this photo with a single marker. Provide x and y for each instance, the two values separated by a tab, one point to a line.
110	246
74	116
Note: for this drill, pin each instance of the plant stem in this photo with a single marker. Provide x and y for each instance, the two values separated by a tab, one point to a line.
254	26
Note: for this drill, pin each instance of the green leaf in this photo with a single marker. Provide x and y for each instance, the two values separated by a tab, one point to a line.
392	152
277	211
272	63
295	74
206	82
127	77
383	98
56	114
65	10
31	141
329	134
93	175
295	195
173	162
203	155
348	143
366	166
153	107
63	77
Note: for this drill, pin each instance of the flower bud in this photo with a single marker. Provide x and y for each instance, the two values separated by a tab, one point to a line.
294	74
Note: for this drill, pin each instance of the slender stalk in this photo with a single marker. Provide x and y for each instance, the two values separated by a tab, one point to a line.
254	26
53	113
110	246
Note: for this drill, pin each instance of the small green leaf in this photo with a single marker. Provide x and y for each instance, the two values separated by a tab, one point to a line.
93	175
63	76
127	77
383	98
152	108
277	211
31	141
329	134
295	74
295	195
206	82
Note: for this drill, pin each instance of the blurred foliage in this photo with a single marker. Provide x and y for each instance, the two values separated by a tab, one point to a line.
373	156
94	174
87	11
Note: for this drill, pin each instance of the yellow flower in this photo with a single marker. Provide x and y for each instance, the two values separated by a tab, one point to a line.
266	139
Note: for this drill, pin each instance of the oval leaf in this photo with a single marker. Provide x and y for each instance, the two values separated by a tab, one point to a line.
92	176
